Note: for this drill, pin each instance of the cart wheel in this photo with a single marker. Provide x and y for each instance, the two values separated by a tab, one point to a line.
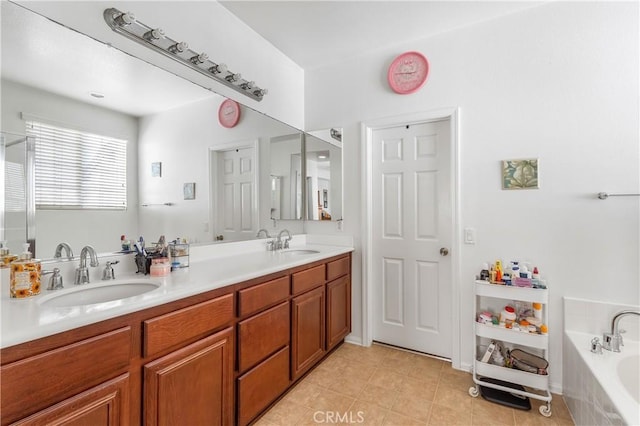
545	410
473	391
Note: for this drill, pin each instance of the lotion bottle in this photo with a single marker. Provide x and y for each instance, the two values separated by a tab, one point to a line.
25	275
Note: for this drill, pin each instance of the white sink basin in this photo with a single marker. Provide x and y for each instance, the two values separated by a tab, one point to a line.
104	291
299	251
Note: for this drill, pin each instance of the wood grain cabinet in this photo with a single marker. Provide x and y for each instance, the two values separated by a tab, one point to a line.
338	310
193	385
33	385
216	358
307	331
103	405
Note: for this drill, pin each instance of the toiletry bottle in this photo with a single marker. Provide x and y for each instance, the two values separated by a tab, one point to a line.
4	251
25	275
537	310
484	273
499	271
535	275
5	256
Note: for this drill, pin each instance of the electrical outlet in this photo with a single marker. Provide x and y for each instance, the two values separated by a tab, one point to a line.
469	236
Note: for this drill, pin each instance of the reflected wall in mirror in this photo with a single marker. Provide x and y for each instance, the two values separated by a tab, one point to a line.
323	153
77	82
16	178
286	177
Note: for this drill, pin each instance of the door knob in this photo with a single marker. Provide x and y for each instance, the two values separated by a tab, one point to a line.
444	251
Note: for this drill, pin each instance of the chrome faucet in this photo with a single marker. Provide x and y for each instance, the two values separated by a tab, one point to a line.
67	249
263	231
82	272
279	243
612	341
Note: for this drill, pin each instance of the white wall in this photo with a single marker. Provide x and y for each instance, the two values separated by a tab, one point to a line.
558	82
180	139
101	229
206	26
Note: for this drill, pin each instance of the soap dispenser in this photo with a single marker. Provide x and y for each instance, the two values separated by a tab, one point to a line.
25	275
5	256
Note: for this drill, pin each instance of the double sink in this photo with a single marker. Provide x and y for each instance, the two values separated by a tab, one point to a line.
108	291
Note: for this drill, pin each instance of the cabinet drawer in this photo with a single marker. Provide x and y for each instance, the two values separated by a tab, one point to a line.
306	280
37	382
337	268
261	335
172	329
262	385
256	298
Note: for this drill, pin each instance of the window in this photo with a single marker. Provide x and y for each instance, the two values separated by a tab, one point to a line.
78	170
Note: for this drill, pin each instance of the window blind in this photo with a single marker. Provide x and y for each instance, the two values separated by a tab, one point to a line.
78	170
16	198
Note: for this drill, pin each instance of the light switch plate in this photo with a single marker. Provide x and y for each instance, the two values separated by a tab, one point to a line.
469	236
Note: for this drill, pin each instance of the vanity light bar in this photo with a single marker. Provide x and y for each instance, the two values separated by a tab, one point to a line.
154	38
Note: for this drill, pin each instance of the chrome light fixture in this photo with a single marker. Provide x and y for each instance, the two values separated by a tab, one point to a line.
154	38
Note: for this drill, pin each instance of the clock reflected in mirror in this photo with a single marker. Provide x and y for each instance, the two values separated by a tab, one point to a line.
229	113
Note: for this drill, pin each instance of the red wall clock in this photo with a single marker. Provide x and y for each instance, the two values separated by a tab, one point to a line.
229	113
408	72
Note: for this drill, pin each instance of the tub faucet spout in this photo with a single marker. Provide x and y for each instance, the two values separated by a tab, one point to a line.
612	341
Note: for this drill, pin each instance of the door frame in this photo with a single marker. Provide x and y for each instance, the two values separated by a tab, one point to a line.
366	131
214	152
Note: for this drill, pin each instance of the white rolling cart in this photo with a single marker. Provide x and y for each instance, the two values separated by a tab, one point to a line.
483	289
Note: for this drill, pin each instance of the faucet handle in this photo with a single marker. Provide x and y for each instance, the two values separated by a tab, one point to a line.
55	282
596	347
109	273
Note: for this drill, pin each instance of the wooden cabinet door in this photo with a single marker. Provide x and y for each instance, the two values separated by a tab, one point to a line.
193	385
308	331
262	385
103	405
338	310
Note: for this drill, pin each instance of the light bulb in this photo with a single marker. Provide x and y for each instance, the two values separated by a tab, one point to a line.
156	34
125	19
233	77
199	59
178	47
218	69
248	85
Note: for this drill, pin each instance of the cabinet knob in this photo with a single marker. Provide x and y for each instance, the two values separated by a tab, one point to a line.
444	251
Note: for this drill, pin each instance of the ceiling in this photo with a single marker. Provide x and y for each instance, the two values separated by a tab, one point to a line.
313	33
40	53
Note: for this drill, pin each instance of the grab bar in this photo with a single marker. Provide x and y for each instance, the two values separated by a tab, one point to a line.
604	195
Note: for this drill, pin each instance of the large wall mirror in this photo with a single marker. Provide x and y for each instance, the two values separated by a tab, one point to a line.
187	176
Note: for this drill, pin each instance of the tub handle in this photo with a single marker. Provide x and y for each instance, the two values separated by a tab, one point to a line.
596	346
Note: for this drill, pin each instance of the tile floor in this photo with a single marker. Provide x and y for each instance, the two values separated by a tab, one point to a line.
385	386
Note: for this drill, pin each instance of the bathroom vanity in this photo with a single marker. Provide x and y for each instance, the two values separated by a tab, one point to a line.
221	355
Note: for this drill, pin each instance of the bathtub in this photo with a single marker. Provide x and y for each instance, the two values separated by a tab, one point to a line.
601	389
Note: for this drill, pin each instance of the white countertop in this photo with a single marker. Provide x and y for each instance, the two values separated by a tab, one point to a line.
28	319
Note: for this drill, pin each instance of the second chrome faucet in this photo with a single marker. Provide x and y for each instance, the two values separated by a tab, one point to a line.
82	272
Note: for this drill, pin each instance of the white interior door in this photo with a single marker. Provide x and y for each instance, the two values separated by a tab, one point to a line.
411	233
236	206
